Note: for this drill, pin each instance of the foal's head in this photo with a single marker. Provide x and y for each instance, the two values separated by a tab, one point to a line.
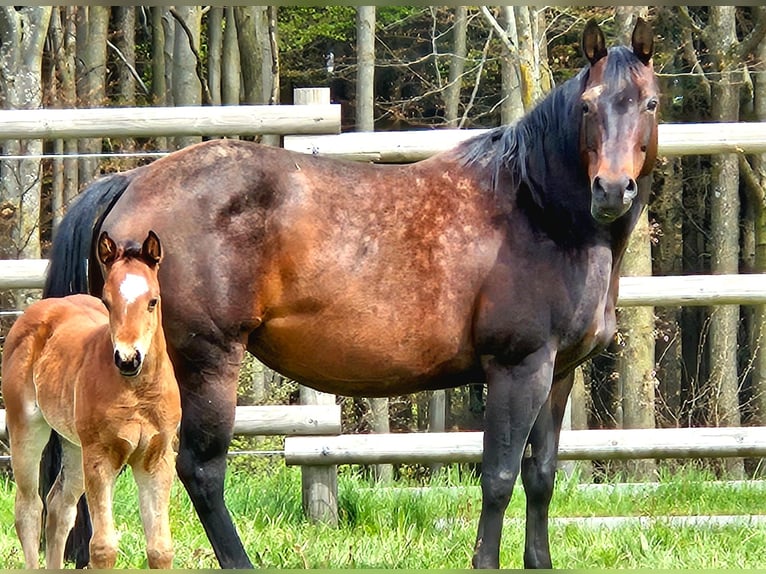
618	134
132	296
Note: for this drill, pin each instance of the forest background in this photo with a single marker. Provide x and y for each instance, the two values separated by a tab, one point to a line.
433	67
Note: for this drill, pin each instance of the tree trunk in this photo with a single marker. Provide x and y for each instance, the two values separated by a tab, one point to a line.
456	67
529	56
125	42
23	30
214	49
63	42
365	122
92	24
635	363
256	58
186	86
512	107
724	236
159	78
365	72
230	67
668	260
759	208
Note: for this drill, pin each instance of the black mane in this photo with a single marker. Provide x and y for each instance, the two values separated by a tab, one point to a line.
535	162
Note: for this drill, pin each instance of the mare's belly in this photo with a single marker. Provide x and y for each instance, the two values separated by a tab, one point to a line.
367	353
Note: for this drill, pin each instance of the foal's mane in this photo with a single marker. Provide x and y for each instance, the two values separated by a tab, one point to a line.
541	151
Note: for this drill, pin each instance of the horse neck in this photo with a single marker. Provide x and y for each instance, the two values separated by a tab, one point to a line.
549	181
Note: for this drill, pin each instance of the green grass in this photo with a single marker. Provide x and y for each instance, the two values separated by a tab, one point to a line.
420	528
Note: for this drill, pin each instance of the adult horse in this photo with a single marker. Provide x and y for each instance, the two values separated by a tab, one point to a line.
497	261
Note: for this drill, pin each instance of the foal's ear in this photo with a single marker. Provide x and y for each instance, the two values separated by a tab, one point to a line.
107	249
151	249
643	41
593	42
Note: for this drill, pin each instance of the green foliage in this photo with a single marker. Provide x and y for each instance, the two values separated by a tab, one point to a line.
302	27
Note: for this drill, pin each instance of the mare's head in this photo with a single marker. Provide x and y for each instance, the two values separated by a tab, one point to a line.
132	297
618	134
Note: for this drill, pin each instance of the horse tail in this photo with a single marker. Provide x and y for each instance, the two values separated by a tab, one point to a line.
68	274
68	259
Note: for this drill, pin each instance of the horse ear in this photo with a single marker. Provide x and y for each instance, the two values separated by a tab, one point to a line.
107	249
152	249
593	42
643	41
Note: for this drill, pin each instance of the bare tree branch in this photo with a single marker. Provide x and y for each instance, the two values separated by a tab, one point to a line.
132	70
206	97
755	191
756	35
477	83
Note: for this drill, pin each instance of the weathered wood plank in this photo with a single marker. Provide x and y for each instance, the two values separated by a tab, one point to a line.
409	146
272	420
428	448
169	121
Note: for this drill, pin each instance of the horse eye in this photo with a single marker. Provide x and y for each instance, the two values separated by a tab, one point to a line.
651	105
152	304
585	108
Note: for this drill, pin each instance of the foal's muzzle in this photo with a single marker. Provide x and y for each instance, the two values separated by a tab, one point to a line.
611	198
129	366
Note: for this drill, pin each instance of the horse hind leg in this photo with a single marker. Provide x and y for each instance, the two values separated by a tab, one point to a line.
62	504
27	440
515	395
538	473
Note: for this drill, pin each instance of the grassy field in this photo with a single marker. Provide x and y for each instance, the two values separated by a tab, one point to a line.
435	528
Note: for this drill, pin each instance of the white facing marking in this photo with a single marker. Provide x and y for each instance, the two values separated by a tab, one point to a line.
132	287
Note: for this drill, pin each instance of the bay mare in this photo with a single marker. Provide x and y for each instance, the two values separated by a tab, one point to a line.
495	262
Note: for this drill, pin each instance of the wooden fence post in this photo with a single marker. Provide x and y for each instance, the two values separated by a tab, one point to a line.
319	484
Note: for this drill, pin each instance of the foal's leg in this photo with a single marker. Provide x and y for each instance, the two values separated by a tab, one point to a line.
100	471
538	473
514	397
62	504
154	500
208	401
27	440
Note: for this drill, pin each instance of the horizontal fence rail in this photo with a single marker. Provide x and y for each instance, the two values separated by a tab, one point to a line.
687	290
268	420
617	444
408	146
169	121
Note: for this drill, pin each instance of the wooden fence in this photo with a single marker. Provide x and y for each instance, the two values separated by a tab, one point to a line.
674	139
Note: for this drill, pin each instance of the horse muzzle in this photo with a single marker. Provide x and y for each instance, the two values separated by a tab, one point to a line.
129	366
611	198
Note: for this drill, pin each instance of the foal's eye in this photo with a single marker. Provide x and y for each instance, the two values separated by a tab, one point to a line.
152	304
651	105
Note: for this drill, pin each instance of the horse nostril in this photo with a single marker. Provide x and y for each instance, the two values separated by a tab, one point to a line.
598	186
631	189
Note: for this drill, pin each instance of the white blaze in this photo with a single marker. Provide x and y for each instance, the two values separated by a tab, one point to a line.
132	287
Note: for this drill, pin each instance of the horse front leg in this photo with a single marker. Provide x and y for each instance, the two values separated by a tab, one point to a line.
208	404
515	394
538	473
154	477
